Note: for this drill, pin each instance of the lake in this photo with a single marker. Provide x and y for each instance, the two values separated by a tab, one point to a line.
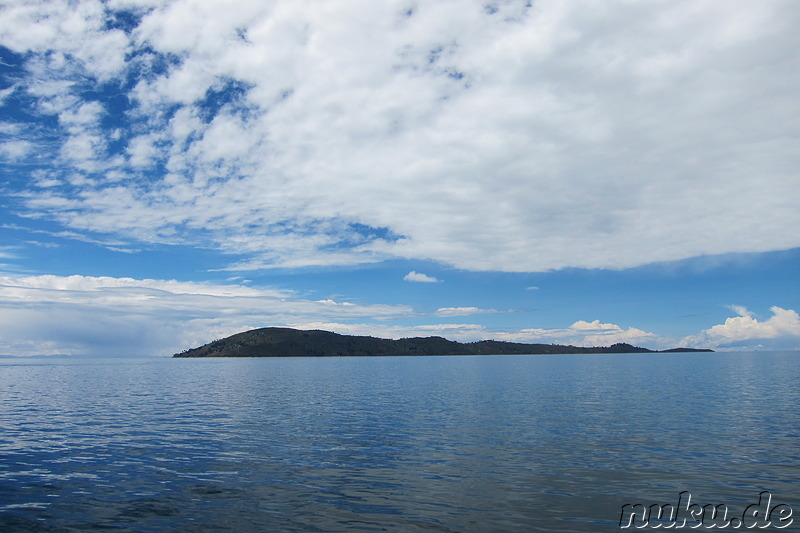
474	443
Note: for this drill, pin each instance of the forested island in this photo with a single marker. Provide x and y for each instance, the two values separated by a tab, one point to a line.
288	342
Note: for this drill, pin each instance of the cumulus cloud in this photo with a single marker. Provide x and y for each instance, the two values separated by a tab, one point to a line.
526	137
781	330
419	277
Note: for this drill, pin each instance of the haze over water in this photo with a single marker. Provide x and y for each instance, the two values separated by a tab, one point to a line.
489	443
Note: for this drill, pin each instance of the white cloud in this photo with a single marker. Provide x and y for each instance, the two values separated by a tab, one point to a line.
141	151
741	310
5	252
463	311
457	332
579	334
781	330
582	333
15	150
74	28
84	315
5	93
71	235
83	115
607	134
419	277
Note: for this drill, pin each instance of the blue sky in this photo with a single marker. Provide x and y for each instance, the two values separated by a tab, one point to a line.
576	173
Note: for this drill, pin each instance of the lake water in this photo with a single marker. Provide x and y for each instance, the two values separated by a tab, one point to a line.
489	443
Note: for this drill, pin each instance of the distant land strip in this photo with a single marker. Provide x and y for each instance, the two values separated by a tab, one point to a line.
288	342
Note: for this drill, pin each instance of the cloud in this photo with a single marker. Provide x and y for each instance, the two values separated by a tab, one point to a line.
418	277
71	235
457	332
781	330
528	137
74	28
108	316
579	334
741	310
582	333
5	252
5	93
84	315
15	150
463	311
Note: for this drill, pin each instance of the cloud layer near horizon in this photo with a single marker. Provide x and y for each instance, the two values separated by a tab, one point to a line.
742	330
86	315
104	316
489	136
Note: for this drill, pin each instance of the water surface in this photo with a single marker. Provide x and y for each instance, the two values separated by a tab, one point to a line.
487	443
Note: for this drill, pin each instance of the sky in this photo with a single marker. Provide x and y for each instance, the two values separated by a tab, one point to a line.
585	172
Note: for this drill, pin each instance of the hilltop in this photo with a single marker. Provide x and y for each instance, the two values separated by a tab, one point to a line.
288	342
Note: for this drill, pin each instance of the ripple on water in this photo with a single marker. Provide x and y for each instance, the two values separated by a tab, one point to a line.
536	443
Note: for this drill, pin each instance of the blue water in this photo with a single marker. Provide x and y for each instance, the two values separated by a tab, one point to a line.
491	443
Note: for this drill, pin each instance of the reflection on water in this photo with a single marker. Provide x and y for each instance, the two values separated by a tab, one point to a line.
497	443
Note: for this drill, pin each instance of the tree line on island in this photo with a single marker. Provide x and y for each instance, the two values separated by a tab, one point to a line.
288	342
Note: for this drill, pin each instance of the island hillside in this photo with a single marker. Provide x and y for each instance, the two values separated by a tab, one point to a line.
287	342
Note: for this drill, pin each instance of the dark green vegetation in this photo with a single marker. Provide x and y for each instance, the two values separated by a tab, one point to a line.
286	342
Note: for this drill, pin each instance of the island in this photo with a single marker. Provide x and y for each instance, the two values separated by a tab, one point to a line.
288	342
